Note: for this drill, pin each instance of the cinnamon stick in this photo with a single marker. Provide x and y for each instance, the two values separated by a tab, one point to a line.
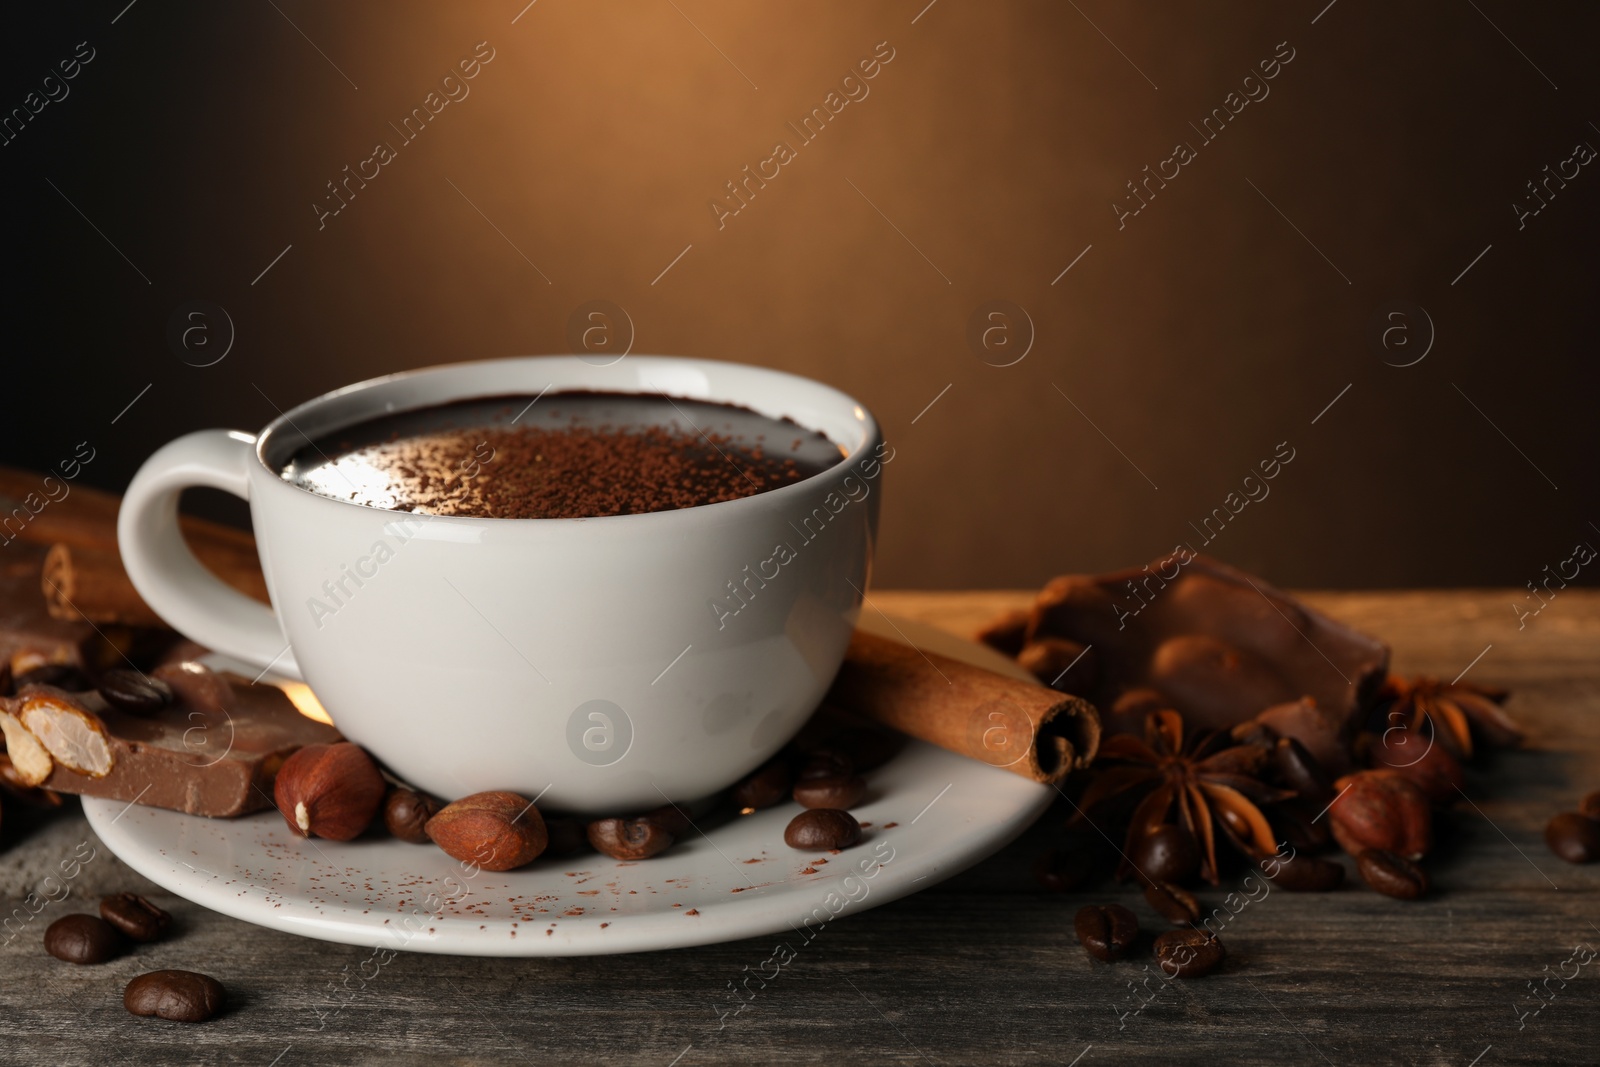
83	582
83	575
1019	726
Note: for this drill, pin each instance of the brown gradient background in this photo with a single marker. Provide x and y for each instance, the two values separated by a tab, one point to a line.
1195	339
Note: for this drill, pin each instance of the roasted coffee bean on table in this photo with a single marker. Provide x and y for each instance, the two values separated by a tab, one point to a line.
1574	837
1188	953
182	996
822	828
1172	902
133	691
135	916
1308	874
1392	874
83	939
1105	931
841	791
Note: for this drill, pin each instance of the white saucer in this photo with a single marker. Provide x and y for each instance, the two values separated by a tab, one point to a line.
929	814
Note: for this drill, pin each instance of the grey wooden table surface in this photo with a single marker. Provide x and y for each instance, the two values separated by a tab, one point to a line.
982	968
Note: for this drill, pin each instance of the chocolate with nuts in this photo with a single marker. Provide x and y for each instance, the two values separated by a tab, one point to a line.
179	757
1214	643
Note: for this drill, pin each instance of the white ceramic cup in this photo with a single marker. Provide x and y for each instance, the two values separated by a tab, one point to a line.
609	664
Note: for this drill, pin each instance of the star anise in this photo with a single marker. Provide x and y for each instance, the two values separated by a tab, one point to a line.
1448	711
1210	781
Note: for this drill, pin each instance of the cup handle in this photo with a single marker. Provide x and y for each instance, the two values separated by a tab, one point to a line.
190	598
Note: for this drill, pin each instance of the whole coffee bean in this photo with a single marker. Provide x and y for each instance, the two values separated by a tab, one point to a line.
1590	805
133	692
1298	826
1296	768
1392	874
822	828
135	916
671	818
629	839
1167	853
826	763
1574	837
1307	874
83	939
182	996
406	812
845	792
1172	902
1105	930
566	836
1188	953
764	788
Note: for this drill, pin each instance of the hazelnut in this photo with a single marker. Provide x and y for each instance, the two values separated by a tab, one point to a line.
406	813
497	831
1428	765
1384	810
630	839
330	791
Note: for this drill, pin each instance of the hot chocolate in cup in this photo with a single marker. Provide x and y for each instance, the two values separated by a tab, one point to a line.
604	661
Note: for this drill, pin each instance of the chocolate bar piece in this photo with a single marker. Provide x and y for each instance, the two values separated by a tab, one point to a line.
218	758
1191	633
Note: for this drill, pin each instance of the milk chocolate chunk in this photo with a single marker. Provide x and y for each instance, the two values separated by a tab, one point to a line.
1214	643
203	761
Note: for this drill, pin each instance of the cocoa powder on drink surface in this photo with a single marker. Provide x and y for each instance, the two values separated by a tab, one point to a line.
578	456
